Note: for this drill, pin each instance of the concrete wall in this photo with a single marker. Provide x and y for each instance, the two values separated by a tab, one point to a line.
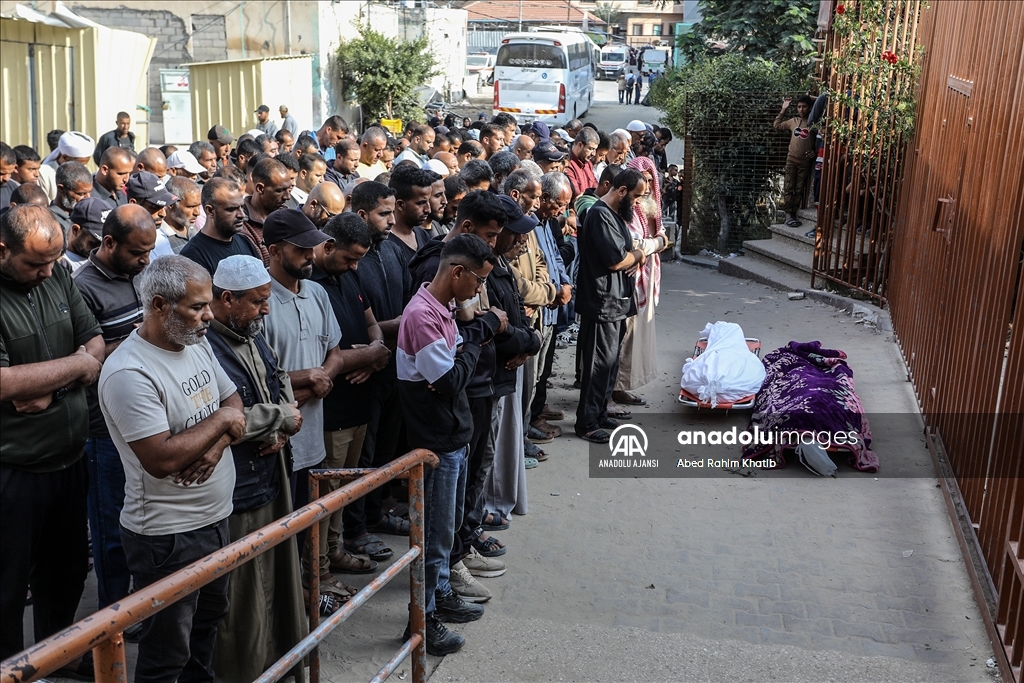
171	50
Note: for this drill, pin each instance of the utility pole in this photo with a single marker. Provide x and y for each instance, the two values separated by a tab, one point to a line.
520	16
568	12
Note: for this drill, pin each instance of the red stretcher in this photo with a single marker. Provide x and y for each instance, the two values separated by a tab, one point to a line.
745	403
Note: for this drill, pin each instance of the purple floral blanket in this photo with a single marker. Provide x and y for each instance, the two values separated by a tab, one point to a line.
809	390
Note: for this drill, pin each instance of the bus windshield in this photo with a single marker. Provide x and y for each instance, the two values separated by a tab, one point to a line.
531	54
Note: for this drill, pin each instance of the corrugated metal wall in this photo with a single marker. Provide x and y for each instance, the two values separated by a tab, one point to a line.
51	52
956	287
228	92
79	80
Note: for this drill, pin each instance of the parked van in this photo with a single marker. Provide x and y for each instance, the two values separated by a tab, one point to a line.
656	60
614	59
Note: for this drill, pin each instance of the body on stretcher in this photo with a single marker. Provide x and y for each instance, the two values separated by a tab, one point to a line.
745	403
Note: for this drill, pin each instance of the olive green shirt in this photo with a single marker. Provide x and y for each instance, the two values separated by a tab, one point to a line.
47	322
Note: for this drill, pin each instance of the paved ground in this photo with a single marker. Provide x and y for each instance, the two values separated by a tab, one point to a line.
760	579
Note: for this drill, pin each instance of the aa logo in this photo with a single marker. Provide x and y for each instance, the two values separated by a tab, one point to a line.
628	441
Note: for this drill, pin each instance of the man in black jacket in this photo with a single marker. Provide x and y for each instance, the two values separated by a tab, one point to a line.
510	350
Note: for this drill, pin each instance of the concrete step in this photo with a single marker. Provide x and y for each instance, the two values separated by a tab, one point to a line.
775	252
794	237
808	214
767	273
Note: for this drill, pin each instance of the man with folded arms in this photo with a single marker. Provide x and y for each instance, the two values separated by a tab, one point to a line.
173	414
265	615
50	350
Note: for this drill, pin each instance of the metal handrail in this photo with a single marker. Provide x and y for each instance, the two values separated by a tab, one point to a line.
102	631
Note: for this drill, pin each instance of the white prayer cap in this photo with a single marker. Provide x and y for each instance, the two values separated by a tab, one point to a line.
73	144
439	167
184	159
636	126
255	133
239	273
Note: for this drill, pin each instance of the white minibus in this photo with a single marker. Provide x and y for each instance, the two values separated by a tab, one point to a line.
545	75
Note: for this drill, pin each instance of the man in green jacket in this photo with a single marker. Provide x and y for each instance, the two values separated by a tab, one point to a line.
50	350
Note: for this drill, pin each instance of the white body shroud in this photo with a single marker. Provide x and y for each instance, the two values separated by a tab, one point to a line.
727	371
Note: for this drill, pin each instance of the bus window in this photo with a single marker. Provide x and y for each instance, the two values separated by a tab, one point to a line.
531	55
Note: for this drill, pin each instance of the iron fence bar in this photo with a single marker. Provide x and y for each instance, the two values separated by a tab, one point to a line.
64	647
314	585
308	644
417	578
399	657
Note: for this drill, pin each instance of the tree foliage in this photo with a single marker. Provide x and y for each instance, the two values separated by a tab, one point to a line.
777	30
384	72
608	12
727	105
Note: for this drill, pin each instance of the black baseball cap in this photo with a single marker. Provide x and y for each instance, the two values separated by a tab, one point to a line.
545	151
91	213
292	226
263	109
147	187
518	222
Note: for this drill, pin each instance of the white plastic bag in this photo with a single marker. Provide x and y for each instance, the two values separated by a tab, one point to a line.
727	371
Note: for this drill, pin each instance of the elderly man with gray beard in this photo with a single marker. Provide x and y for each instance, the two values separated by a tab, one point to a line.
173	414
265	615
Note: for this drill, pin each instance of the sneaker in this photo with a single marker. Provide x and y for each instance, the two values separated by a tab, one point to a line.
454	610
484	567
467	587
440	641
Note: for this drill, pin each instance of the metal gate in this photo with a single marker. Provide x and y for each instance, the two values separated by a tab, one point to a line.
956	290
862	166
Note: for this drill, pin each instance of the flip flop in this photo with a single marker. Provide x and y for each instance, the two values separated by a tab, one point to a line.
390	524
619	414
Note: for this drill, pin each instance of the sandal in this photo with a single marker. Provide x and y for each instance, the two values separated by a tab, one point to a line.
347	563
330	584
595	436
390	524
492	547
369	545
329	603
628	399
619	413
494	522
551	414
530	462
794	223
540	455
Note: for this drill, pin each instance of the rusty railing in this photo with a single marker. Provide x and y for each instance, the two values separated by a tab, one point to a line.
102	631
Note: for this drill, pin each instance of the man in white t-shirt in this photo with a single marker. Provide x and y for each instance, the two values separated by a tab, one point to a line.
173	414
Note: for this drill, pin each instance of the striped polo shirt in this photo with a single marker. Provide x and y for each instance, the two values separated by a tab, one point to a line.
115	302
112	298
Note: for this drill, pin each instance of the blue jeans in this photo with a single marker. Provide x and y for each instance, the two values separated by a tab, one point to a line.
443	505
106	498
